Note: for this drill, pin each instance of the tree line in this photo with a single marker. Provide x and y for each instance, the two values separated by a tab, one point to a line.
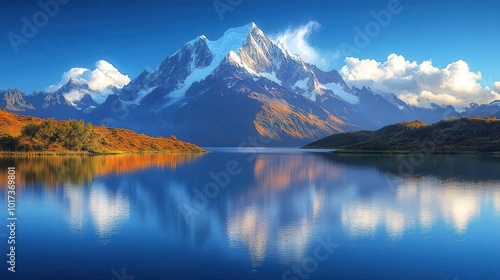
52	135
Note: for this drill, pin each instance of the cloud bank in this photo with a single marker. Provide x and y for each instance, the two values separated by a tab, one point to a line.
497	87
420	84
296	41
103	77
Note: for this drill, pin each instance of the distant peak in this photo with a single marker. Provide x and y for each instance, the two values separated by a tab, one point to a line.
72	81
145	73
201	38
254	28
232	33
245	29
249	26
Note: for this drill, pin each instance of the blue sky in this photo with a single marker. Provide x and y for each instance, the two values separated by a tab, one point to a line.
138	35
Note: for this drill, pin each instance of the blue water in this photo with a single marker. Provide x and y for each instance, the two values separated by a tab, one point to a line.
254	214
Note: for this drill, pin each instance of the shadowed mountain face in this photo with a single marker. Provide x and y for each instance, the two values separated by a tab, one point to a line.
220	93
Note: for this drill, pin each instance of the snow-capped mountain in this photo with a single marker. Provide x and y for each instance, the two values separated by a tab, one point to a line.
221	92
82	97
247	48
244	84
485	110
39	104
79	96
72	100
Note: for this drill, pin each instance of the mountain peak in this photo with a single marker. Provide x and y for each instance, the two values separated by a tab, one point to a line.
244	31
252	26
72	81
496	103
200	38
236	33
72	84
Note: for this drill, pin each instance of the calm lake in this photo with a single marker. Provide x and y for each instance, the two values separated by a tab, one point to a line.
254	214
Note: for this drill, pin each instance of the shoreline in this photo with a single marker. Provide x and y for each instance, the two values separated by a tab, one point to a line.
402	152
90	154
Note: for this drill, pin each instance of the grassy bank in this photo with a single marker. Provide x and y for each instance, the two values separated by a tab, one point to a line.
461	136
20	134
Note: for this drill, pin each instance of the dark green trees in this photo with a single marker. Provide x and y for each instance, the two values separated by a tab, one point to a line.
52	135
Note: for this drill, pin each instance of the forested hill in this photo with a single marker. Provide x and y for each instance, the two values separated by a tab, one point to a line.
458	135
29	134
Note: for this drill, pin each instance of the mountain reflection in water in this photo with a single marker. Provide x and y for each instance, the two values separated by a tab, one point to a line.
273	212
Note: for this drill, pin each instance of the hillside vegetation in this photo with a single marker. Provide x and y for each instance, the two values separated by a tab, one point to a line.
28	134
452	136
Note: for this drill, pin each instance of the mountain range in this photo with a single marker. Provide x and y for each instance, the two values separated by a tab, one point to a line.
219	93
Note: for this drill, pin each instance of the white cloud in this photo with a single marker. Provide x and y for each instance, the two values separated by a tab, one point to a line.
296	41
104	76
420	84
497	87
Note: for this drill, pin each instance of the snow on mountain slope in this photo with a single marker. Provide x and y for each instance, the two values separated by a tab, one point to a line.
339	91
232	40
271	77
236	60
302	84
102	96
82	97
246	47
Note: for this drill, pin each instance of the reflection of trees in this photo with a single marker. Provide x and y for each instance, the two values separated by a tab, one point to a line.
77	170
